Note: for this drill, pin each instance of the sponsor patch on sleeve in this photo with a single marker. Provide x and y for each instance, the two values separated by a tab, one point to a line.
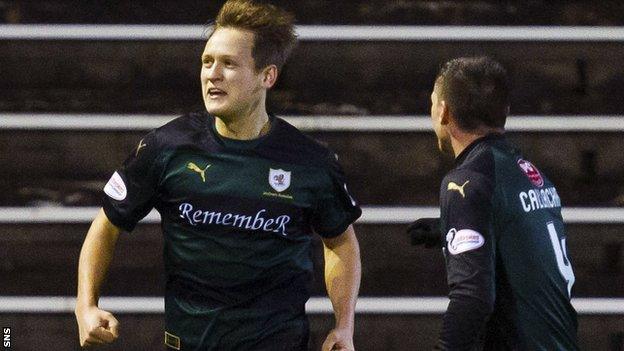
463	240
116	188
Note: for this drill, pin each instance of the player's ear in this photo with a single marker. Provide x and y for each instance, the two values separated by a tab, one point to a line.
445	113
269	76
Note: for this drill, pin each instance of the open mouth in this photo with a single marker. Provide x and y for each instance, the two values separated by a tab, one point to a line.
216	93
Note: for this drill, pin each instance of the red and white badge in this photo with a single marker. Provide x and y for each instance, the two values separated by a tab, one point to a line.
531	172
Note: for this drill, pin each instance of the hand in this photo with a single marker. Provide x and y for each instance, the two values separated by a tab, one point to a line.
425	231
339	340
96	326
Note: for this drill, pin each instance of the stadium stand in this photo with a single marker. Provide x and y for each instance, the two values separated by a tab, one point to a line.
410	12
355	78
65	168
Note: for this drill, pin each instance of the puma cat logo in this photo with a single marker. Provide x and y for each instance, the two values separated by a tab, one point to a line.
460	189
141	145
202	172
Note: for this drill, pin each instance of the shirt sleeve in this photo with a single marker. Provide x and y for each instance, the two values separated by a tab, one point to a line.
130	192
336	209
466	199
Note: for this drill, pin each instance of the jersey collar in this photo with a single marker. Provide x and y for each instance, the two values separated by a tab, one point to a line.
462	156
240	144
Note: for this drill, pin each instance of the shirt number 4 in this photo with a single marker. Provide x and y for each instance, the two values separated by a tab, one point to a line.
559	246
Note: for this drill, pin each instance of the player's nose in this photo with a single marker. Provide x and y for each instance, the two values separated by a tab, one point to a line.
214	72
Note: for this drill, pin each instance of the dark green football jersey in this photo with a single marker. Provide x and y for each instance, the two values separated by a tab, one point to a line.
508	271
238	219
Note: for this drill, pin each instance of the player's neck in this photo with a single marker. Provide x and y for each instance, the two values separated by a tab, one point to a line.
461	139
247	126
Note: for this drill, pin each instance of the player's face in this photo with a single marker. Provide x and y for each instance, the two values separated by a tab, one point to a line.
231	85
437	111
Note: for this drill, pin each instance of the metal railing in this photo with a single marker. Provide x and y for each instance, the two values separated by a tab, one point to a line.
370	215
316	305
390	123
318	32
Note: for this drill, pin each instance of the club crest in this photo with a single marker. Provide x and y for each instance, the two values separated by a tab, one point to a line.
531	172
279	179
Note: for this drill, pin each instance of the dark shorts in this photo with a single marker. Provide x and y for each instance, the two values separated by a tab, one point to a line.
192	324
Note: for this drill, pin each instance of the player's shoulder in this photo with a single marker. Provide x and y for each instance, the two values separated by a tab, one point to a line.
477	161
296	147
179	130
463	180
475	170
291	134
186	124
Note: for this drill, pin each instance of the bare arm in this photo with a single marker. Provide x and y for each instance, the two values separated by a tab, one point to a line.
95	326
342	278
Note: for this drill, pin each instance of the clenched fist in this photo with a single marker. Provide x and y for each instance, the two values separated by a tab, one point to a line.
96	326
339	340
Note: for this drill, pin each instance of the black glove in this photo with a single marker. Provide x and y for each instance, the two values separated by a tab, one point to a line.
425	231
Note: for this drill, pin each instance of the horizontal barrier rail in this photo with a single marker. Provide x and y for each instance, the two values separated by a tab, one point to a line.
26	121
316	305
370	215
317	32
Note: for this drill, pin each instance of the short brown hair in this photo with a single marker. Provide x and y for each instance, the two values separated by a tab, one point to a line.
273	28
476	90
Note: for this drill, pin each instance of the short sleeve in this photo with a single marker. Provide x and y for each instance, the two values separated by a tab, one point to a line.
336	208
130	192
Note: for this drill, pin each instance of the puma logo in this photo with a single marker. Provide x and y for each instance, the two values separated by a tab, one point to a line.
141	145
202	172
460	189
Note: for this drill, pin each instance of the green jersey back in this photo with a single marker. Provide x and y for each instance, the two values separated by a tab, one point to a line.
508	269
237	216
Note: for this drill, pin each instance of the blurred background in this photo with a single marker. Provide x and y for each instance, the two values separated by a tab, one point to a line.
75	100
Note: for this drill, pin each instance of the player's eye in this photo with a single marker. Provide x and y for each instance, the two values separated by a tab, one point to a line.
207	62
